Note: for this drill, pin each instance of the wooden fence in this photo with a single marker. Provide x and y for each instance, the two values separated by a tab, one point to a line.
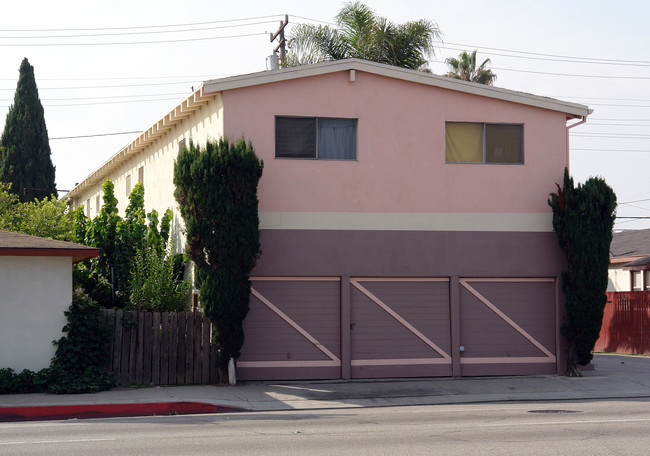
161	348
626	323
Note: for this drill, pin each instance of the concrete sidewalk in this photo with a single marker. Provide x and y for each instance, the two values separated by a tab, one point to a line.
614	376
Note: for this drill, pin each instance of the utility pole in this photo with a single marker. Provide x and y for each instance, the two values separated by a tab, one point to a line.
282	42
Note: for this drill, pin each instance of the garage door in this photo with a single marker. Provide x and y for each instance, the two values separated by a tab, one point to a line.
399	327
292	329
507	326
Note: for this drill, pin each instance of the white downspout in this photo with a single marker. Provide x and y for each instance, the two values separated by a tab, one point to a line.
569	127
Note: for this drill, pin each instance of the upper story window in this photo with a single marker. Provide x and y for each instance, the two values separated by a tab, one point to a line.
468	142
321	138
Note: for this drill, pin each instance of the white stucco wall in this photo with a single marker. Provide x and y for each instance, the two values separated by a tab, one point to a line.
618	279
34	293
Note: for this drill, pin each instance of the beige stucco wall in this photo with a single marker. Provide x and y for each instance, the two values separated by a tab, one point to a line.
35	293
618	279
157	159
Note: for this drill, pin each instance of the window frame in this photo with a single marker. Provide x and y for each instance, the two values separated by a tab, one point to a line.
484	126
316	156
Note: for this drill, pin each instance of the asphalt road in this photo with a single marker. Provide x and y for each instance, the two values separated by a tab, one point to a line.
620	427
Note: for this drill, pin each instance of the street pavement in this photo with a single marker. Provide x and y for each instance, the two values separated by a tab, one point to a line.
613	376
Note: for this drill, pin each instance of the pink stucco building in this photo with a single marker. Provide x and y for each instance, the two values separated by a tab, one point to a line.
404	223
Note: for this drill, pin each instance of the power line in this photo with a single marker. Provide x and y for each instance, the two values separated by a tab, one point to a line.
90	35
611	150
595	76
46	100
611	135
110	102
120	43
592	59
93	136
139	26
114	86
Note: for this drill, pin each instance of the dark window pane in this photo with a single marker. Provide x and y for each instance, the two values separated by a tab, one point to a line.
337	139
295	137
504	143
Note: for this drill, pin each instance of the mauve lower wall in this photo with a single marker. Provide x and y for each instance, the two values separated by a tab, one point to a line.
408	254
454	255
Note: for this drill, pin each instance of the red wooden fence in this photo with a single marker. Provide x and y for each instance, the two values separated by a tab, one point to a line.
626	323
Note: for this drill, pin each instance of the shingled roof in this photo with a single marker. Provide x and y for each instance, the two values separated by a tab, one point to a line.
633	243
18	244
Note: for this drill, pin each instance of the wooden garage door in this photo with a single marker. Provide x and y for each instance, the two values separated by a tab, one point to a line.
507	326
292	329
399	327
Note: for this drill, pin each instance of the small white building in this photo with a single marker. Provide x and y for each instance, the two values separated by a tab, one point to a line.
35	290
629	263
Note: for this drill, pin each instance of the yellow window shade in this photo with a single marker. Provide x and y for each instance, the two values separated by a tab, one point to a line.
464	142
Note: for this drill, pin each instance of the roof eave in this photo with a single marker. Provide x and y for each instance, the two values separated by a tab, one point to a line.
574	110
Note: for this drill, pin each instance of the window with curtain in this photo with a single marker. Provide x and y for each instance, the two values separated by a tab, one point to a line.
471	142
321	138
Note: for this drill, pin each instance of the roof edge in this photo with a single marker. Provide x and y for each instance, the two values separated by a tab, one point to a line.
321	68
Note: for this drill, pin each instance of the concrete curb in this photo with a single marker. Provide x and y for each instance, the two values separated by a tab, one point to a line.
81	411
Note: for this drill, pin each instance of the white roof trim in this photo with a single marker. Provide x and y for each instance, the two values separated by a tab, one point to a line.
175	116
286	74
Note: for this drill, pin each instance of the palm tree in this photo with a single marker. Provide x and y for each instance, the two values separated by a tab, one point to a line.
360	33
464	68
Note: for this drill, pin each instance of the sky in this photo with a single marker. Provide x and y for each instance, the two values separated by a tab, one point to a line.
107	71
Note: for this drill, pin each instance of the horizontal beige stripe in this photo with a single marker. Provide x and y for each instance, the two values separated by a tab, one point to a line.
407	221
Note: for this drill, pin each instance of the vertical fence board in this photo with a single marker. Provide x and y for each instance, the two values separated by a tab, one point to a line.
196	348
148	340
133	340
117	347
180	348
189	347
164	349
205	352
140	349
173	358
155	350
109	318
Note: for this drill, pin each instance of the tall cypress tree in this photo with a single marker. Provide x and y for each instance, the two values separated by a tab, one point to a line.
25	159
583	220
216	189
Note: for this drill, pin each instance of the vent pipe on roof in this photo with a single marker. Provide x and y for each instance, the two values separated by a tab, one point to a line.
272	62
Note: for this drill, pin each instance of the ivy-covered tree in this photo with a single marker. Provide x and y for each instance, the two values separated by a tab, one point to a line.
216	188
25	156
583	220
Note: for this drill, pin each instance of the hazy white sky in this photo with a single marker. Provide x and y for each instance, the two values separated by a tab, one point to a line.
119	66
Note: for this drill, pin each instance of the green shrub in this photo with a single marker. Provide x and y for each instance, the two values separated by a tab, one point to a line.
155	285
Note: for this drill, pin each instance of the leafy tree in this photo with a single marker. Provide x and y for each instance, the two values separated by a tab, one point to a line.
361	34
465	69
583	220
216	188
106	278
25	160
49	217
